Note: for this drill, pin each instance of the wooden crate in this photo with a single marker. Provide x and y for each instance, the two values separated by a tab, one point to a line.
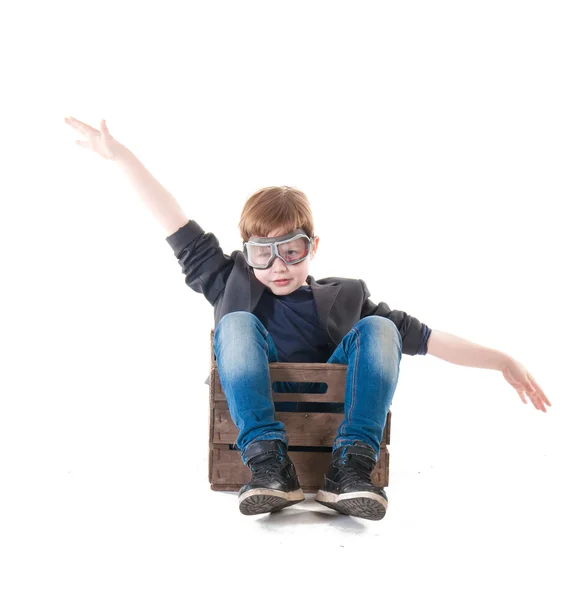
311	434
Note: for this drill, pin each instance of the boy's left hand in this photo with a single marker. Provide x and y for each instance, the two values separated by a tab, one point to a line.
518	377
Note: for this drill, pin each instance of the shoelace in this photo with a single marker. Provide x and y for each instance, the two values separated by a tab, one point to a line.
260	468
353	473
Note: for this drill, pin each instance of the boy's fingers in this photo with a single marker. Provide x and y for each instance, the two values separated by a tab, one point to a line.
539	392
544	398
83	127
76	122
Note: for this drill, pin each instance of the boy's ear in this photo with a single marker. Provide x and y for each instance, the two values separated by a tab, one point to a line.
315	244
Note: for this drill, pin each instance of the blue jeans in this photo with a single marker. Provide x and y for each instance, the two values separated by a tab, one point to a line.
372	351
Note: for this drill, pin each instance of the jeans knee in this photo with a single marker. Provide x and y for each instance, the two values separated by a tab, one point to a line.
239	320
379	327
235	325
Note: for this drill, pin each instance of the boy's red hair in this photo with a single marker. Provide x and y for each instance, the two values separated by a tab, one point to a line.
278	207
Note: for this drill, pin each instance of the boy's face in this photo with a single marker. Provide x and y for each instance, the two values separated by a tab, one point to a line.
295	275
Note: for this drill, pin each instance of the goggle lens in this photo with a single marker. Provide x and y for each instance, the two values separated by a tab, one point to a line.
291	252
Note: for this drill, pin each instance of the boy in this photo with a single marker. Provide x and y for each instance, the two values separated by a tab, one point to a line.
267	309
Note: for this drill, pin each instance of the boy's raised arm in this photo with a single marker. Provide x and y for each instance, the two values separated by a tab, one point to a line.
159	201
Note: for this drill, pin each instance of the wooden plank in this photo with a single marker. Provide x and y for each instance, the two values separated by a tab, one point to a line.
303	429
301	372
230	474
213	376
332	374
335	397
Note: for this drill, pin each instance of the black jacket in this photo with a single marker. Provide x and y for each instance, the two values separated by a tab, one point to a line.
230	285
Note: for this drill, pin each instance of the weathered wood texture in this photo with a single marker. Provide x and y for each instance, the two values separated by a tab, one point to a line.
311	434
230	474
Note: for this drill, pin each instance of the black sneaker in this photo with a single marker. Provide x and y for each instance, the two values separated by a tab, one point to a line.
274	483
348	488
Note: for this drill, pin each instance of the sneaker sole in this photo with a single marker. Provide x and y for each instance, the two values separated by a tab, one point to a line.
263	500
364	505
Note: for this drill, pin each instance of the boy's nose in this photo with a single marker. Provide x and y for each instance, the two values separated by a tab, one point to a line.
279	267
278	262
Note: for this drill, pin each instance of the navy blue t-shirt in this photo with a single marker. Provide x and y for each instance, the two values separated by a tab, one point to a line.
294	325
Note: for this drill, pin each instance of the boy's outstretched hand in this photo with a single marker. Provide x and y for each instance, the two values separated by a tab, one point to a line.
100	142
518	377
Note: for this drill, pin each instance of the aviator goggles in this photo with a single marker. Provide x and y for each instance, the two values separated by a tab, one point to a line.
292	248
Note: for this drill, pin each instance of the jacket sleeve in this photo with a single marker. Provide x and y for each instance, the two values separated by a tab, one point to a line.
205	266
414	334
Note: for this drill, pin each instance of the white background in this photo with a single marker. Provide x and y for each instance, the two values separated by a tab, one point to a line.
433	133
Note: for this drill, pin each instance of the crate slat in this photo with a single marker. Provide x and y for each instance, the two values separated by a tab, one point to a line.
303	429
230	472
301	372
